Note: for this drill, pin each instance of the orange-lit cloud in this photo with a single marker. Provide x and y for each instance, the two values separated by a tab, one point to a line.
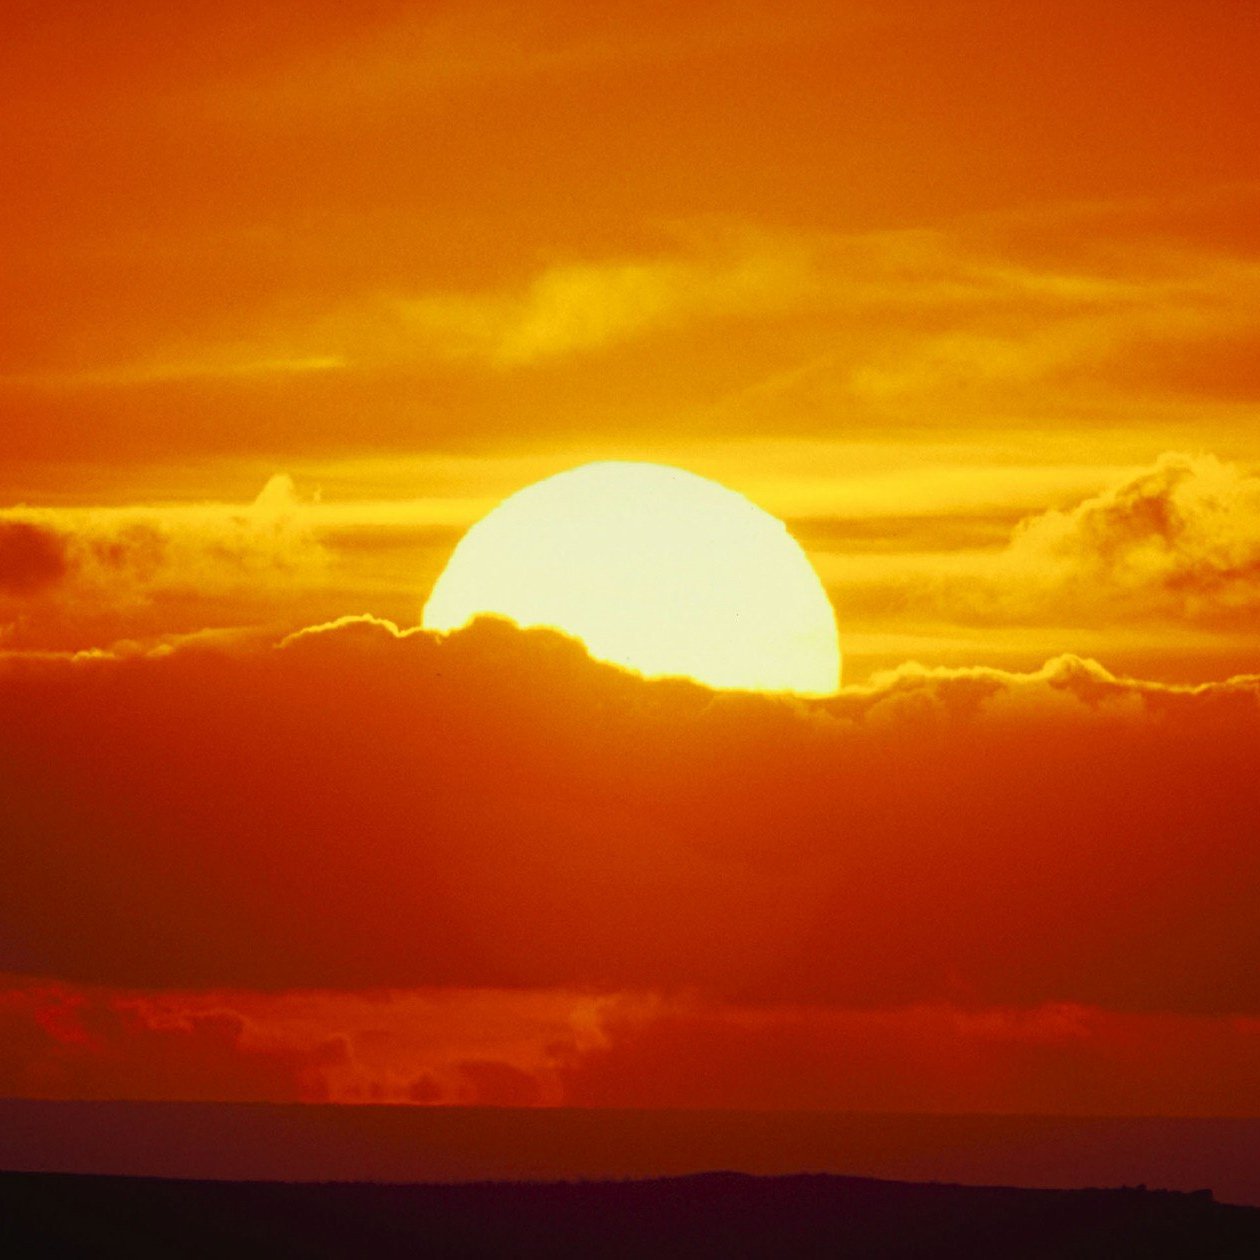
89	576
1180	541
589	306
982	318
1171	547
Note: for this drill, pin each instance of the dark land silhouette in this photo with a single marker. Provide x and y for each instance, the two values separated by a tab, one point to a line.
308	1143
707	1214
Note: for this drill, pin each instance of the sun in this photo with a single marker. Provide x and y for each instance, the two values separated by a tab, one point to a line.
652	568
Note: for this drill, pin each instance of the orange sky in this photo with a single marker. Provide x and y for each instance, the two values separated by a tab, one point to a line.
965	292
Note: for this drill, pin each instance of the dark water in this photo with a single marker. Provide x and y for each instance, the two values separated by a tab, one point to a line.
316	1143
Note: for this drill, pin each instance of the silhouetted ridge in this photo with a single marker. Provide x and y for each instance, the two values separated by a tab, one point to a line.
708	1214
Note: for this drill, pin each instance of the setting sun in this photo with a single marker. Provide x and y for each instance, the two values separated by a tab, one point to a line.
653	568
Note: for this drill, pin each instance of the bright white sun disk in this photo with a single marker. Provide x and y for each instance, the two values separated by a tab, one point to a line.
653	568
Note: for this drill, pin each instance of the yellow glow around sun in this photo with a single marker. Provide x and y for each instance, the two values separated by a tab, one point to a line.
653	568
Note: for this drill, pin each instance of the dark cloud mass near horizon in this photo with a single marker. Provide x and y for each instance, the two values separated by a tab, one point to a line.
359	808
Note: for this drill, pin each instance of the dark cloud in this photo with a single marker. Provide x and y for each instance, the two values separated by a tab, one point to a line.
624	1050
60	1042
360	807
1051	1059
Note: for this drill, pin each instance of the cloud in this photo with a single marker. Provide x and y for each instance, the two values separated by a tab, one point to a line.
75	573
138	551
586	306
1093	315
1180	540
980	307
467	1047
627	1050
1168	554
363	807
57	1041
1052	1059
1119	314
208	363
1085	315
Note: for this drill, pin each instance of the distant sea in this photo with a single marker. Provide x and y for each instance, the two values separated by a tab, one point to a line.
261	1141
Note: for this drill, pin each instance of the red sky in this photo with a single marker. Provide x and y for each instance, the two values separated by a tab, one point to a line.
964	292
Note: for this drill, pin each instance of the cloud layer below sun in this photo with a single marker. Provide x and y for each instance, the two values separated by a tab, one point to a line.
513	1048
499	871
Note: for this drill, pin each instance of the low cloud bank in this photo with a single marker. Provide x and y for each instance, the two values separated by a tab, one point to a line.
480	1047
358	807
